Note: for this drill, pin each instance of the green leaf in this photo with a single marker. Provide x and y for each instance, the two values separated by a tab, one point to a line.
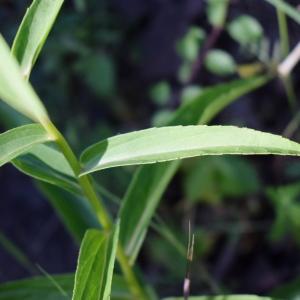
95	265
15	91
178	142
245	30
150	181
74	211
47	164
16	141
38	288
160	93
223	297
33	32
217	11
288	9
220	62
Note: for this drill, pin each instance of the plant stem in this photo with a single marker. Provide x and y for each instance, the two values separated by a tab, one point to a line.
285	49
101	212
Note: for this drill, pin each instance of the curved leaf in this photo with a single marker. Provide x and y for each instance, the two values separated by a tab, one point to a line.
150	181
15	91
33	32
16	141
178	142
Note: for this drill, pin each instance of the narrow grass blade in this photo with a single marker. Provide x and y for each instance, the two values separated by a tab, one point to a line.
16	253
15	91
95	265
150	181
17	141
288	9
33	32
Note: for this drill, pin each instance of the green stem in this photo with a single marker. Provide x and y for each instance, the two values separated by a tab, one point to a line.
285	49
101	212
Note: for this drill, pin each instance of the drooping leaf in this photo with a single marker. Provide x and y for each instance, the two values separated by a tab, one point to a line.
74	211
245	30
220	62
95	265
288	9
178	142
16	141
150	181
38	288
15	91
223	297
47	164
33	32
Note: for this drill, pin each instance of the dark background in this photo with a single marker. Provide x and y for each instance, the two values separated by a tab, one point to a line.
94	75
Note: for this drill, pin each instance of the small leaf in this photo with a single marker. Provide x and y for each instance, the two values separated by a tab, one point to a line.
95	265
245	30
220	62
216	12
17	141
160	93
33	32
15	91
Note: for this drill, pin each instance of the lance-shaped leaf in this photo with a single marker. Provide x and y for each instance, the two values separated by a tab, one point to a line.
16	141
15	91
95	265
150	181
33	32
178	142
60	287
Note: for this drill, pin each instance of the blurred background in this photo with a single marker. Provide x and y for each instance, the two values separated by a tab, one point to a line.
115	66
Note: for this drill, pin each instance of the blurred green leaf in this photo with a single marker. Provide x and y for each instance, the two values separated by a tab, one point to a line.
211	179
33	32
288	291
15	91
287	208
220	62
160	93
245	30
17	141
190	92
189	46
217	11
150	182
38	288
95	265
162	117
288	9
98	71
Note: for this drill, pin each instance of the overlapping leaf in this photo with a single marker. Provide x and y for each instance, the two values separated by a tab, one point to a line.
16	141
33	32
